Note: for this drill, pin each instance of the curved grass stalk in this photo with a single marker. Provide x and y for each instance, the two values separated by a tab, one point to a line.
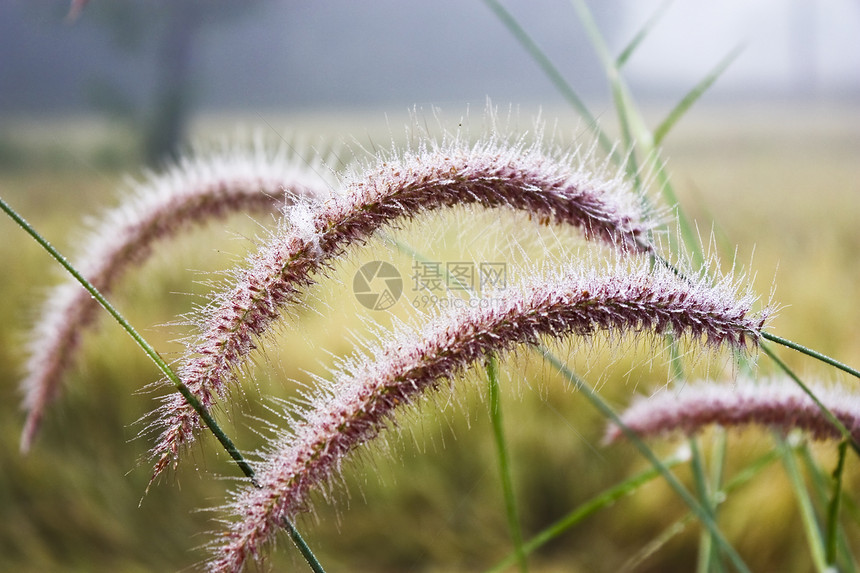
777	403
649	142
491	365
139	340
196	191
628	112
637	136
205	416
624	109
491	173
368	392
825	411
762	334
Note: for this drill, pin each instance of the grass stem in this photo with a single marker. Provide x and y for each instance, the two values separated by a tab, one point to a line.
581	512
492	366
553	74
147	348
833	508
701	513
820	485
810	352
807	513
141	342
846	434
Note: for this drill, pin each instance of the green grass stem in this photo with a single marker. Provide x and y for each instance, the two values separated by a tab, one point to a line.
633	126
821	483
697	464
492	365
824	409
628	121
552	73
678	526
700	512
807	513
833	508
625	110
810	352
604	499
141	342
700	482
692	96
710	560
652	547
147	348
643	33
629	117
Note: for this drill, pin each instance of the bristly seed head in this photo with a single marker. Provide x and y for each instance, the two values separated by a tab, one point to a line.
205	186
774	403
491	173
363	399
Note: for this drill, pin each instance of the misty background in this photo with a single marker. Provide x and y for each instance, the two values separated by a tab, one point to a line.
766	163
155	63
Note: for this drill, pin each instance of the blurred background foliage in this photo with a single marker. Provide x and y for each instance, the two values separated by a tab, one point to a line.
775	175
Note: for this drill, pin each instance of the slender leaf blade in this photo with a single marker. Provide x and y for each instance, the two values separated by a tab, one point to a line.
643	32
693	95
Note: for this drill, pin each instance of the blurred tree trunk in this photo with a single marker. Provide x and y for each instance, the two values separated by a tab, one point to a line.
166	128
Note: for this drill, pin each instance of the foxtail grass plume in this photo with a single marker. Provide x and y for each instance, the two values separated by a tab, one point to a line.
777	403
366	393
491	173
203	187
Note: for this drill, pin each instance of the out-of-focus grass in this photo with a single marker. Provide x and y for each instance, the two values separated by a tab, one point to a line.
786	185
785	182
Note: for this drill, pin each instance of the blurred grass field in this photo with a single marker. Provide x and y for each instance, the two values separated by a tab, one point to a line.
779	183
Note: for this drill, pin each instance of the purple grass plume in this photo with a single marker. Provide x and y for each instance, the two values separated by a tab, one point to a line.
367	391
203	187
777	403
491	173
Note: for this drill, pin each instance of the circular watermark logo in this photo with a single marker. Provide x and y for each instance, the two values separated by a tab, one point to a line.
377	285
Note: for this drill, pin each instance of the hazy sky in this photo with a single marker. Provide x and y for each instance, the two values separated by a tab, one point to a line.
787	43
282	54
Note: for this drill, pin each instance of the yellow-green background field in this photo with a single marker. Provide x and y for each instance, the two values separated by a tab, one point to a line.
780	183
